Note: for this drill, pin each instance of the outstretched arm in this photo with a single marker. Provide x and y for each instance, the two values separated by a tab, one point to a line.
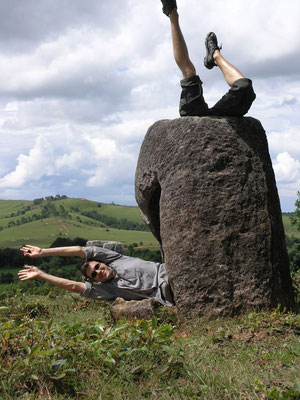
70	251
31	272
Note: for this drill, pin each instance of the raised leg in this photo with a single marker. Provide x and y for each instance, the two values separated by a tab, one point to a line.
214	57
180	50
230	72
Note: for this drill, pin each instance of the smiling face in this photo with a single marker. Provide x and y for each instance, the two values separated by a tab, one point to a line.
99	272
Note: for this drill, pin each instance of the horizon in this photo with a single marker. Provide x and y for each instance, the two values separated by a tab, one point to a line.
103	202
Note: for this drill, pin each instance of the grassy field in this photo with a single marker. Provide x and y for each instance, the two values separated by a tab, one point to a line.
44	232
64	347
77	206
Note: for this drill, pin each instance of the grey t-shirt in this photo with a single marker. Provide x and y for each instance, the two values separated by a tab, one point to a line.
135	279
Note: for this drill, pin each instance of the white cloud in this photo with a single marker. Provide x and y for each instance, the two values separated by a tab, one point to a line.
286	168
286	141
37	164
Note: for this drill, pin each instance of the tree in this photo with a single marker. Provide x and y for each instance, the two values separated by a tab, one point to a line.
6	278
293	249
38	201
295	219
292	243
63	242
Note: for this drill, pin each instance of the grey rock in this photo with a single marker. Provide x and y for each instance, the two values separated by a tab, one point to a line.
133	309
106	244
206	186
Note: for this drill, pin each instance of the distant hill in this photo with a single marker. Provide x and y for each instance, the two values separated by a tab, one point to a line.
41	221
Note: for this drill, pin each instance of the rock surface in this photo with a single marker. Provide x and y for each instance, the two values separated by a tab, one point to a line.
207	190
107	244
133	309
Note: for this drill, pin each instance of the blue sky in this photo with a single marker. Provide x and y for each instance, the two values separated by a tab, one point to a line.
81	82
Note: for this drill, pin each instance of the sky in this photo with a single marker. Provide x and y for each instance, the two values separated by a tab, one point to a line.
82	81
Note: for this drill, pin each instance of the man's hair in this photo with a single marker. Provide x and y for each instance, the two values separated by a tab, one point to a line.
83	268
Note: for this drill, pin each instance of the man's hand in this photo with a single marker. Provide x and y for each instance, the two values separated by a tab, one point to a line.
31	251
30	272
69	251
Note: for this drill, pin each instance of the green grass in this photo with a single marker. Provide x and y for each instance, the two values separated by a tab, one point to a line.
12	271
289	229
44	232
9	206
5	286
64	347
131	213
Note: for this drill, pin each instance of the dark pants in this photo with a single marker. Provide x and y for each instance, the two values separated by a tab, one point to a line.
167	292
236	102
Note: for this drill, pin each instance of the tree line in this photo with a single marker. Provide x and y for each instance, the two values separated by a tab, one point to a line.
113	222
13	258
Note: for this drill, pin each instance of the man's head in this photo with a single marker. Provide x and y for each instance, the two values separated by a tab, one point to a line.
97	271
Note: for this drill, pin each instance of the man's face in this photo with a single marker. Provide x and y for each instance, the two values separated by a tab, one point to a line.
99	272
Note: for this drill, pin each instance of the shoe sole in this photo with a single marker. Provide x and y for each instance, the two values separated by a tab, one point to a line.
207	64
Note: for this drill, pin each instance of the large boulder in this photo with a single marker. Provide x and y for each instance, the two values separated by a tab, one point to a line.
107	244
133	309
207	190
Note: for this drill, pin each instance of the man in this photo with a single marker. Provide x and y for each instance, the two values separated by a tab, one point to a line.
236	102
112	274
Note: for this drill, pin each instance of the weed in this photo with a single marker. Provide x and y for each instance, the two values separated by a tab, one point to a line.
281	394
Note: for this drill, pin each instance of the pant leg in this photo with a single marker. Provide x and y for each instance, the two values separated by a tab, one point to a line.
191	100
237	101
167	292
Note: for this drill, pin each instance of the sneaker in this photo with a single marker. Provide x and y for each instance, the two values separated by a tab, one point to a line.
211	44
168	6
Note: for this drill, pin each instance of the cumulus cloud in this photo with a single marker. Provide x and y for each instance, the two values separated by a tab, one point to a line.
76	159
287	140
287	173
24	26
286	168
32	167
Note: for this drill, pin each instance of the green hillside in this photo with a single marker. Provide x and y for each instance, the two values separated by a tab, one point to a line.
21	222
290	230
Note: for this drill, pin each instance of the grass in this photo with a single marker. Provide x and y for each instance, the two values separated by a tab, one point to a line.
241	359
4	287
65	347
44	232
290	230
9	206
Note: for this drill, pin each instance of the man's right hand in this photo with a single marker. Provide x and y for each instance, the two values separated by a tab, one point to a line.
30	272
31	251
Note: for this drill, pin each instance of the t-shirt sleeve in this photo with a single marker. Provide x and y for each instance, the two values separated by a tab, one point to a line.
100	254
97	292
